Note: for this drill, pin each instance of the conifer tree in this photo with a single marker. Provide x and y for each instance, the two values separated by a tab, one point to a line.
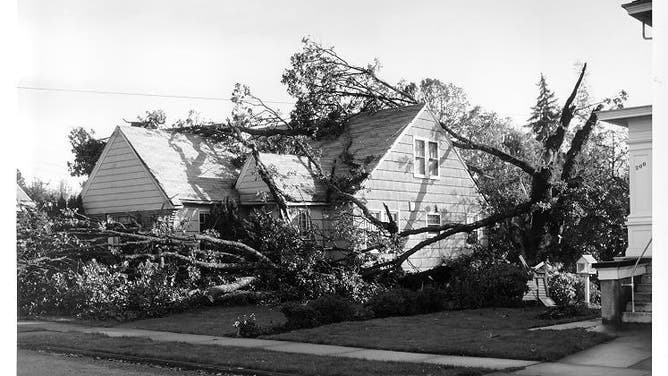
545	114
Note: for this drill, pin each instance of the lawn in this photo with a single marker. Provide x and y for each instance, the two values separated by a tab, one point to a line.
214	321
490	332
253	359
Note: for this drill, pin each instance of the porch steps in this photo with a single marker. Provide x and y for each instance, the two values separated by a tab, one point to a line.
643	301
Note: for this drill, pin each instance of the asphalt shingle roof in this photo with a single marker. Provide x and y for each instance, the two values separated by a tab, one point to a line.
369	135
187	167
294	178
366	137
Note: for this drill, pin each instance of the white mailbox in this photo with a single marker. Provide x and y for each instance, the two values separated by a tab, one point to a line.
584	265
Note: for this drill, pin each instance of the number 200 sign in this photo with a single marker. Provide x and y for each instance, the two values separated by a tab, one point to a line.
640	166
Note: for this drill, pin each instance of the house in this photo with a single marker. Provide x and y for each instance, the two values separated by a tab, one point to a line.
143	175
22	199
626	282
410	163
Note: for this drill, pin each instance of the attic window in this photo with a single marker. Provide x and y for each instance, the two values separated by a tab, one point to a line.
426	158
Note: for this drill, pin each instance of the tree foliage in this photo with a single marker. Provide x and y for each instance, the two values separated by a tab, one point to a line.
86	149
545	113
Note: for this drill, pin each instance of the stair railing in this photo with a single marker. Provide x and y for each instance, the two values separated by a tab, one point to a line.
633	273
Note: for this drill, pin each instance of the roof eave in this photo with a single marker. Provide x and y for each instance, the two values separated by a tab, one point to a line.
622	116
641	11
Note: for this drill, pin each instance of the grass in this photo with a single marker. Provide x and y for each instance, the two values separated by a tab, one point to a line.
214	321
256	359
490	332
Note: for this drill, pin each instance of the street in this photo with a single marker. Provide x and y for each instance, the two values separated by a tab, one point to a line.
37	363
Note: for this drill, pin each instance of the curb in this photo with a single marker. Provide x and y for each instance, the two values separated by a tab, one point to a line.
155	361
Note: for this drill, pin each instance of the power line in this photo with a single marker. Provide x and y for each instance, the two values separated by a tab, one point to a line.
135	94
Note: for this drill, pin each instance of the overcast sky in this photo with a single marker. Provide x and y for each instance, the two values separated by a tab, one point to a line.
495	50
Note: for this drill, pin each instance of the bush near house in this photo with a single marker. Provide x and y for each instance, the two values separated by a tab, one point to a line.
568	289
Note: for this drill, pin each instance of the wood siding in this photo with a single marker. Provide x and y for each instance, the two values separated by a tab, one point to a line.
121	183
251	188
453	194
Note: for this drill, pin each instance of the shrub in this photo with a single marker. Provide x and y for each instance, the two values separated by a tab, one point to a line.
562	288
327	309
333	308
494	283
594	292
246	326
430	299
567	311
299	316
394	302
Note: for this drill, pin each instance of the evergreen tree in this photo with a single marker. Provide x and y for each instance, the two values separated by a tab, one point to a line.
545	114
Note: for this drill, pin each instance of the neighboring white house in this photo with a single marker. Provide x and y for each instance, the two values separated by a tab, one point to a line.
626	282
22	198
413	169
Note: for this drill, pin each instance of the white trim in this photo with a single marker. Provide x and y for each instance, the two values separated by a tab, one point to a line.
243	172
620	272
105	151
397	140
459	158
119	131
432	212
623	115
637	8
393	211
148	170
426	175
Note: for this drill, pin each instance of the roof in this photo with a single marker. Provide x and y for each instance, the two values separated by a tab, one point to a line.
623	115
22	197
294	178
367	137
186	167
640	10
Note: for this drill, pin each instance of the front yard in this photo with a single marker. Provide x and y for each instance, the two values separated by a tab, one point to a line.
213	321
240	360
489	332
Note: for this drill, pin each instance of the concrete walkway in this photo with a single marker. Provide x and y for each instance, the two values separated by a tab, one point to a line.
630	354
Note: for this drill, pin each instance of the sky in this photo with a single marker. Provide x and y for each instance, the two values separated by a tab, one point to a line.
494	50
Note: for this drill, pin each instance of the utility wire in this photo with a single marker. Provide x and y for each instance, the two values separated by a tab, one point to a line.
134	94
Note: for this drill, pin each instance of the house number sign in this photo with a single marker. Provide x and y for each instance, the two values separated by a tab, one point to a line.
640	166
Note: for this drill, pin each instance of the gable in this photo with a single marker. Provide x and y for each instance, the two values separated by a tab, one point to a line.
366	138
290	173
120	182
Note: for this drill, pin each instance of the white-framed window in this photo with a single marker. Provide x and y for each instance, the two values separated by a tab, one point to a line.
425	164
370	226
434	220
474	236
203	219
303	222
395	216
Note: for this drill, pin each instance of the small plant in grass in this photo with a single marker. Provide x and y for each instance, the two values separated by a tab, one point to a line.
246	326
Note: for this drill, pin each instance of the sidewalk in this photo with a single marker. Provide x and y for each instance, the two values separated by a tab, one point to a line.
630	354
604	359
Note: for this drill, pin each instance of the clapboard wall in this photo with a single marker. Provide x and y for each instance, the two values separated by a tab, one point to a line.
121	182
454	194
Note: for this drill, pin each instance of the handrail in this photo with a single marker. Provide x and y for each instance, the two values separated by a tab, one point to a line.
633	273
